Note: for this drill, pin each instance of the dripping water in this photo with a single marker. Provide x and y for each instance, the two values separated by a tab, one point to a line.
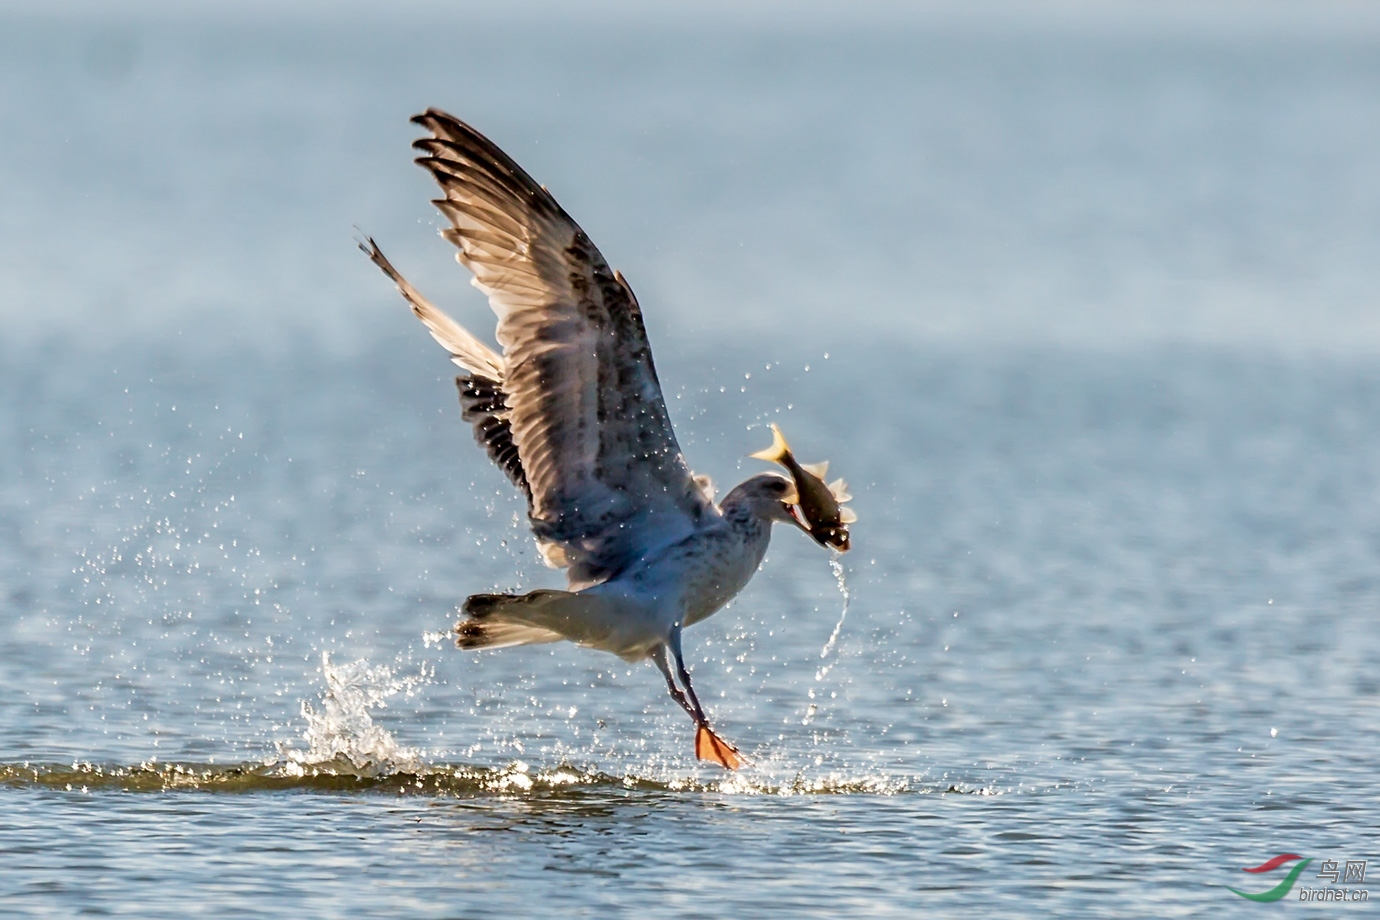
840	576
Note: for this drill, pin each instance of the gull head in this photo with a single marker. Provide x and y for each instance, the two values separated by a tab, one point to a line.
770	497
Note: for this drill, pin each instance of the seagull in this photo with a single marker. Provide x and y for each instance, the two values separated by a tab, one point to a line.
573	413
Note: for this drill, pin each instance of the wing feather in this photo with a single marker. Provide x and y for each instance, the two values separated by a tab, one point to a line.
582	401
465	350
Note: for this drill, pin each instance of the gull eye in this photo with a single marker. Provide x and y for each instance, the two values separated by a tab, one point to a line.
778	487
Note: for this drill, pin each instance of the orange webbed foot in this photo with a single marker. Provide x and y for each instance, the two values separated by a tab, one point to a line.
709	746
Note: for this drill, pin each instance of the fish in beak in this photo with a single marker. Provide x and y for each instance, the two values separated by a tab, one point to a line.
788	505
818	507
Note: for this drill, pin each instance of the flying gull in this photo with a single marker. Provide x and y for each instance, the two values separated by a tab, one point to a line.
573	413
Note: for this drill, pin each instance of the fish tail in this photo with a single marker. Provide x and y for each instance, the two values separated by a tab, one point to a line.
779	449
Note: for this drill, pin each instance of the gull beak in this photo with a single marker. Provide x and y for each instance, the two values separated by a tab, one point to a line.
789	501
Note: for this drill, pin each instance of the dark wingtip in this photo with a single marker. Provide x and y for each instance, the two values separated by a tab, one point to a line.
434	116
367	245
470	635
375	254
431	114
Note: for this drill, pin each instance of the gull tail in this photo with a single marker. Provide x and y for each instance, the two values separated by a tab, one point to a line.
779	449
497	621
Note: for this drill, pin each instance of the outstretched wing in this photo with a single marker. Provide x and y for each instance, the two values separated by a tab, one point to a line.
584	407
482	400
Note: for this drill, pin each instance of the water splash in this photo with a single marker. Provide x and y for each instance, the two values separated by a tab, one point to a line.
437	638
343	734
840	575
445	780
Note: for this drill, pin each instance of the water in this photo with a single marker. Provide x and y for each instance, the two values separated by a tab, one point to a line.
1084	315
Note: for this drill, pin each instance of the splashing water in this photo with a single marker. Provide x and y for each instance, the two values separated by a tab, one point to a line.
342	734
437	638
515	779
840	574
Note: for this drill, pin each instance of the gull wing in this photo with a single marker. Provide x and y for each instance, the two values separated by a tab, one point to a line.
482	400
606	478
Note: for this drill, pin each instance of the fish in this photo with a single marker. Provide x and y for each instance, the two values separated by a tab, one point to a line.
821	506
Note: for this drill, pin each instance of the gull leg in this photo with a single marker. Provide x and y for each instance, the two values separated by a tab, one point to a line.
673	646
662	657
708	745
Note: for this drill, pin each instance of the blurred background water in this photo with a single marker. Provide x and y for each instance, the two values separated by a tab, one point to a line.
1080	300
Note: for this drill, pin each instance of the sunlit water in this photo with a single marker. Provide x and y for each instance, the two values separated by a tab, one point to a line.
1107	402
